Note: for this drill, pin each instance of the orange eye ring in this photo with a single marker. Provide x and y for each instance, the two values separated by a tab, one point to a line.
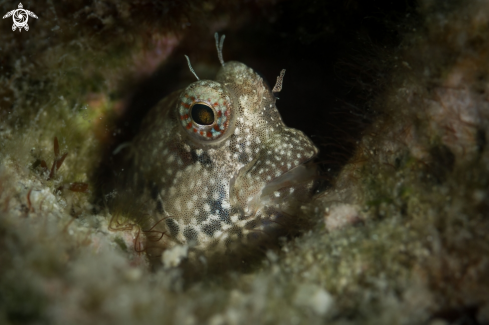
205	111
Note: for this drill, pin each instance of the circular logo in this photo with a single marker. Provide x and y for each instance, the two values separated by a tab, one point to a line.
20	18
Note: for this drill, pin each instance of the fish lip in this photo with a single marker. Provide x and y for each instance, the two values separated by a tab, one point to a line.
279	211
299	175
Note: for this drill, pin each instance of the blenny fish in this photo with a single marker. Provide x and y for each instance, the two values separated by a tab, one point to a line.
215	165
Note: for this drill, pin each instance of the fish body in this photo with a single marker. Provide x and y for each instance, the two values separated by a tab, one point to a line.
216	164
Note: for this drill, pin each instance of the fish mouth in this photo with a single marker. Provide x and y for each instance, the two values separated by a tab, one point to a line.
299	176
269	181
280	202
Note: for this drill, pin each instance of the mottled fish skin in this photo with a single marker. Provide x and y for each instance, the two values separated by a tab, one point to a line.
206	180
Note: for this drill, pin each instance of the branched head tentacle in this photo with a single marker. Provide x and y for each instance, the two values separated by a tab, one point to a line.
219	45
278	85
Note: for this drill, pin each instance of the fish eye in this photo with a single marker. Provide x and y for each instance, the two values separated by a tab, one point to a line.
205	111
202	114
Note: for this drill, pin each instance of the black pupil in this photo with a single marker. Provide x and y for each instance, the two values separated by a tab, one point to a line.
202	114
